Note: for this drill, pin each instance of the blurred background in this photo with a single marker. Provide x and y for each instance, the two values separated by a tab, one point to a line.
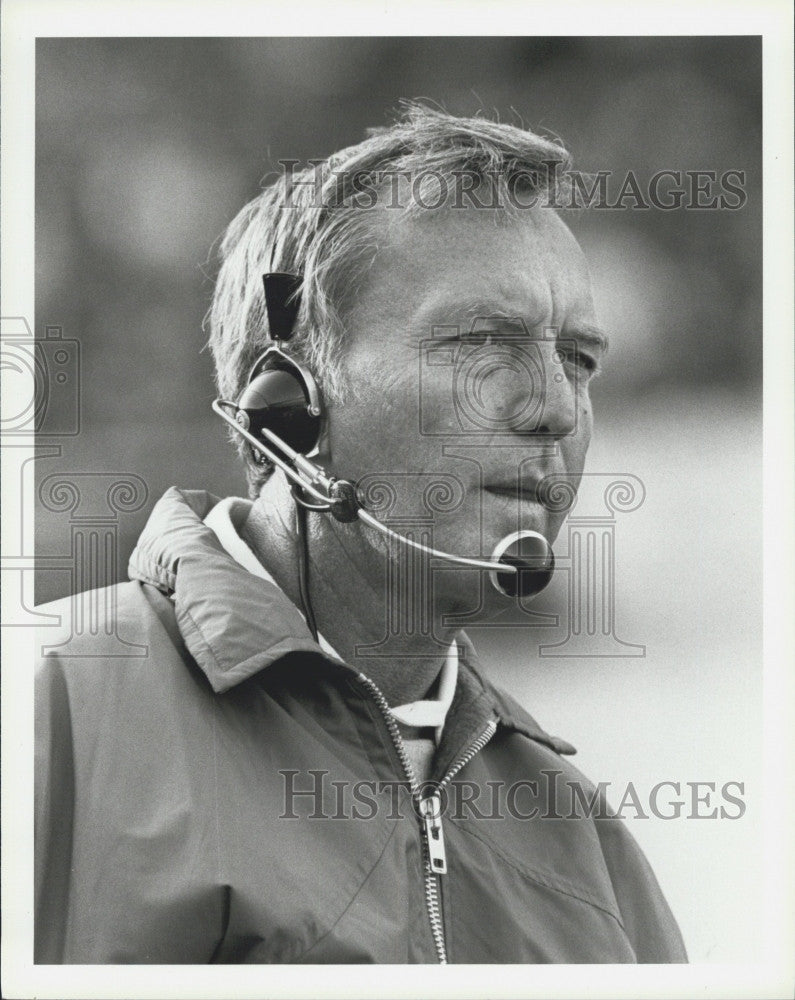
146	148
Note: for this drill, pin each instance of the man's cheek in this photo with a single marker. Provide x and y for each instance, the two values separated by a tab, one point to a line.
388	437
437	416
573	451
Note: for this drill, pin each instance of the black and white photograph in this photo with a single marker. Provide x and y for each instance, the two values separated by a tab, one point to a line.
397	489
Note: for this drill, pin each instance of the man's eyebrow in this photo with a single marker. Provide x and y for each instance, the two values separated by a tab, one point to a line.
586	334
491	310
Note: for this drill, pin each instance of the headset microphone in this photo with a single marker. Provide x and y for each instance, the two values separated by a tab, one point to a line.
532	557
280	415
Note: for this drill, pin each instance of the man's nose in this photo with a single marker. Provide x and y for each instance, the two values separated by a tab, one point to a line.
558	408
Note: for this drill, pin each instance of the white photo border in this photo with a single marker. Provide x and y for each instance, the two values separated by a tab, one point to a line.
25	20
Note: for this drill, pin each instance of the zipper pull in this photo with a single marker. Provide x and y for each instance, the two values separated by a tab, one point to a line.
431	811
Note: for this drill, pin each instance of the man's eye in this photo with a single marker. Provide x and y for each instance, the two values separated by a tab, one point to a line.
476	338
480	337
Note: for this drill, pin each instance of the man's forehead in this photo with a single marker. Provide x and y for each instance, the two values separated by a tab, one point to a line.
451	266
499	252
490	223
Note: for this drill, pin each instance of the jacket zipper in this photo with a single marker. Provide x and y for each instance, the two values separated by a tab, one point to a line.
429	808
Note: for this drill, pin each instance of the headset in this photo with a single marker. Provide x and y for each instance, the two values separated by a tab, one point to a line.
280	415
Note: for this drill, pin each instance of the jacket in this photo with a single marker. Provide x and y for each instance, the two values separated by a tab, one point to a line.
227	793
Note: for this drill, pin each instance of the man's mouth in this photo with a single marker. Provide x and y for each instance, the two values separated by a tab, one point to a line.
527	490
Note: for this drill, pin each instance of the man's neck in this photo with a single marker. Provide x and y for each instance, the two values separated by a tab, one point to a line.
356	604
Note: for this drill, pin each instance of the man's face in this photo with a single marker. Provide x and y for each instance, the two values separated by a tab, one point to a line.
468	354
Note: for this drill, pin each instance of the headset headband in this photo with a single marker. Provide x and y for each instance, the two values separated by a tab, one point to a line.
282	301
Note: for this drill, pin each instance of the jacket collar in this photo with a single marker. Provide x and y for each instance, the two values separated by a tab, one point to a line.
235	624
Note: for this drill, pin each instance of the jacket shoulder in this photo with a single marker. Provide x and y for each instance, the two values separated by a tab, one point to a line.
645	914
120	626
111	691
604	857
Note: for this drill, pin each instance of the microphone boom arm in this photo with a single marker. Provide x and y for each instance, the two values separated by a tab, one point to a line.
368	518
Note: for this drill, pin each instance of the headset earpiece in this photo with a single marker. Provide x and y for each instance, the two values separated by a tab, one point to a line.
283	397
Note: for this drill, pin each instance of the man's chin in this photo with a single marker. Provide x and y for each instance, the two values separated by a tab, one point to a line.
472	600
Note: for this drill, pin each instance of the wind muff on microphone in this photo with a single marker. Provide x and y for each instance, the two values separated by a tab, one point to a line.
531	556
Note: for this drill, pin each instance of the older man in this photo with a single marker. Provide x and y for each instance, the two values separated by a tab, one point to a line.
309	764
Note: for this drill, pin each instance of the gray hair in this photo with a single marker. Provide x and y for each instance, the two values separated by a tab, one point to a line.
316	222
